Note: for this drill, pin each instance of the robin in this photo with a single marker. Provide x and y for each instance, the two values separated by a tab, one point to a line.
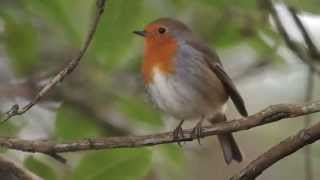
186	80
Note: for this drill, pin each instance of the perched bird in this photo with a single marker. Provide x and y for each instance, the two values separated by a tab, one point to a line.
186	80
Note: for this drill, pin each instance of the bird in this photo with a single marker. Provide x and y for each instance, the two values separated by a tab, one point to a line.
185	78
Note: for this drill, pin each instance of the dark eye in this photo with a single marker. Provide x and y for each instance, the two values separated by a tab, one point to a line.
162	30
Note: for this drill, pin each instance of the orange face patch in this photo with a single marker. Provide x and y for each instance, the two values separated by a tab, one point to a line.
159	53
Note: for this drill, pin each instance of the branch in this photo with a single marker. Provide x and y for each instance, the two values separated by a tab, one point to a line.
268	115
16	110
276	153
313	50
313	53
309	56
11	170
308	151
295	47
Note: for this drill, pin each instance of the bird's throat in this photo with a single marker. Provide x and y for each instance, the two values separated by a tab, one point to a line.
160	56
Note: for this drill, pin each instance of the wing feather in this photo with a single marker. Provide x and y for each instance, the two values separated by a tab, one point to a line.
215	65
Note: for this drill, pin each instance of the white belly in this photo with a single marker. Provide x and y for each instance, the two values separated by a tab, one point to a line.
179	99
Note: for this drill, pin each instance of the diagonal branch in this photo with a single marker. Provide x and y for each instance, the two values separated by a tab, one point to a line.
278	152
313	50
16	110
270	114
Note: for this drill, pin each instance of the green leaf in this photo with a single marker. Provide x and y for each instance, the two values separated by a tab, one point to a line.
118	164
244	4
21	42
174	154
114	36
58	14
8	129
72	124
40	168
231	35
225	28
139	111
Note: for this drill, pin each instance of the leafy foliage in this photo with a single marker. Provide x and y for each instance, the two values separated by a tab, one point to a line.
125	164
21	42
174	154
40	168
139	111
114	36
56	13
30	25
72	124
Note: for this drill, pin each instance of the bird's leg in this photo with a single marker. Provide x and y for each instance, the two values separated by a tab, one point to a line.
178	132
197	130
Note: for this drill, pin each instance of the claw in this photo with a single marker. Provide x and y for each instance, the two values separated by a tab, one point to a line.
197	131
178	132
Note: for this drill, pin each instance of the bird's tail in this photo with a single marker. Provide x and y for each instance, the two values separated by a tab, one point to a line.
228	144
230	148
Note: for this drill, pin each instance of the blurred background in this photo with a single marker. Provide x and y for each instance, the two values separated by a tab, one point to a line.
105	96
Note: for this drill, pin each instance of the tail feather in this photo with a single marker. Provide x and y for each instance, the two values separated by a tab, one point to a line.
228	144
230	148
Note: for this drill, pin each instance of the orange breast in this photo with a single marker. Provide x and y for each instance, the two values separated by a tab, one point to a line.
159	53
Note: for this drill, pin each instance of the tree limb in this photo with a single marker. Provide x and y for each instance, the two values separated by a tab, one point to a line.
313	53
16	110
278	152
270	114
308	56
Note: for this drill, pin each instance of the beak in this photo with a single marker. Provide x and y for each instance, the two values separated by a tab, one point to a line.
140	33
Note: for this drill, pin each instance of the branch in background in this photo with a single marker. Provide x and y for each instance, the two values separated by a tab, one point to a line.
268	115
95	110
308	151
16	110
260	65
310	56
313	53
313	50
304	137
11	170
295	47
276	153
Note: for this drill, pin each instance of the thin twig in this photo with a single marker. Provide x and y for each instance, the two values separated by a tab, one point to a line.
295	47
268	115
278	152
313	50
16	110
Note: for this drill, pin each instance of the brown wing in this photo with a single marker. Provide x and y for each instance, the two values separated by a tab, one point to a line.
215	65
230	88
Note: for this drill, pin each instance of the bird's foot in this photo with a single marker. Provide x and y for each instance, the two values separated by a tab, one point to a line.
178	132
197	131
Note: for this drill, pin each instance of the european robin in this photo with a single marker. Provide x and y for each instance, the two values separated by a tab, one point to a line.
186	80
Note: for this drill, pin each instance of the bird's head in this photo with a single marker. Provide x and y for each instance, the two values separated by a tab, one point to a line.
162	40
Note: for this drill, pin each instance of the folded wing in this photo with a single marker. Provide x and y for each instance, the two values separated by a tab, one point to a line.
215	65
